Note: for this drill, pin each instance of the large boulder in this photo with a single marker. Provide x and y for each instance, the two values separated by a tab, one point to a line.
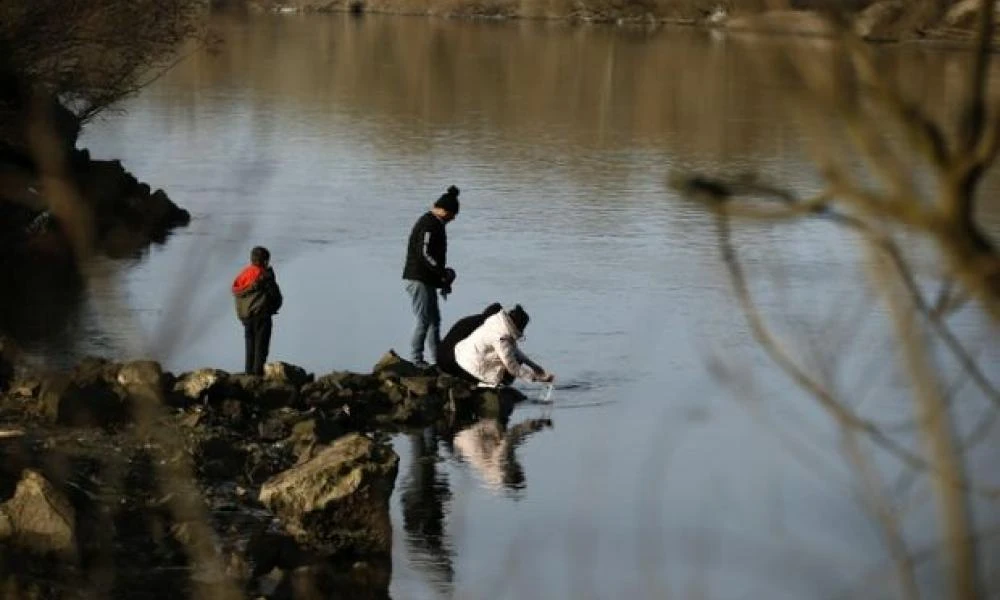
338	501
39	518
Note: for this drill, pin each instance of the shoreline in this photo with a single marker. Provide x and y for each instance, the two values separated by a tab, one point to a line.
879	23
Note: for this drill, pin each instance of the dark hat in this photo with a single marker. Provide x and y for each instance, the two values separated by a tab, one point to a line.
519	318
449	200
259	255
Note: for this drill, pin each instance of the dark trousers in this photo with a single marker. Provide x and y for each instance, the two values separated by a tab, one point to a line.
257	334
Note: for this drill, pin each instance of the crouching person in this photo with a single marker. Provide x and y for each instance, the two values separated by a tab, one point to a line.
490	354
462	329
258	298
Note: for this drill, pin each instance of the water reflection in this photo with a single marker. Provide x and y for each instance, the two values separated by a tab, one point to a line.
488	448
42	299
425	493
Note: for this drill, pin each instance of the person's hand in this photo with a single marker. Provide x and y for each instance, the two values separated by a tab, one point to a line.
546	378
445	291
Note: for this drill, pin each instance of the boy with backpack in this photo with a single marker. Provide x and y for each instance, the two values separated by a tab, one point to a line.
258	298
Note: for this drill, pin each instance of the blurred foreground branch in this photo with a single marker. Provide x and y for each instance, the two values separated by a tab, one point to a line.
874	170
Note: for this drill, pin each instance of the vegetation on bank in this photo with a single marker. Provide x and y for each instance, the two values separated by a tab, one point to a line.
62	62
873	19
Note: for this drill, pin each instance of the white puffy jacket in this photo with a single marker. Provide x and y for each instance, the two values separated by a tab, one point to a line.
491	351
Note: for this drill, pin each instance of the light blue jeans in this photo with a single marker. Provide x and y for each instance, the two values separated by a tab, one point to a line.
425	308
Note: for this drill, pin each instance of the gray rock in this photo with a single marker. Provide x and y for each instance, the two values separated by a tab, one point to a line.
337	502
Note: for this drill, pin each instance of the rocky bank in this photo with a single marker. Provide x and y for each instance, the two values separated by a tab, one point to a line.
122	480
56	202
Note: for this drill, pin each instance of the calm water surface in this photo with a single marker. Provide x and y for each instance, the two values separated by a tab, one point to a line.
678	459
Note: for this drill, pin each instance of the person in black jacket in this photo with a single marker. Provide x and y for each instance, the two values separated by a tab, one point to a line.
258	298
462	329
426	273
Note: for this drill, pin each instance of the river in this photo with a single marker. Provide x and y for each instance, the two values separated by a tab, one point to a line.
678	459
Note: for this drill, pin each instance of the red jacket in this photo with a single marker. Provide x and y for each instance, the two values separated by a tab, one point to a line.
256	292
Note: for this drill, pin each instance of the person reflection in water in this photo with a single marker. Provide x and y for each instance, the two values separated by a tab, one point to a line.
488	447
424	495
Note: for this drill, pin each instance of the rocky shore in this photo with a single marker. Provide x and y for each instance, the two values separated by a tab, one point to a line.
122	480
57	205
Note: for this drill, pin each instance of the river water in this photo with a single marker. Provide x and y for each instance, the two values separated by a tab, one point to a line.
679	460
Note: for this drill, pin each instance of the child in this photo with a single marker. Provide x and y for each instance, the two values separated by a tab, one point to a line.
257	299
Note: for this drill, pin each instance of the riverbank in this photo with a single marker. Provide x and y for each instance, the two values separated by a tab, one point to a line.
122	480
879	20
58	206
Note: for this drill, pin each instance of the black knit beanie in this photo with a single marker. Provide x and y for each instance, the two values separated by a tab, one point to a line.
449	200
519	318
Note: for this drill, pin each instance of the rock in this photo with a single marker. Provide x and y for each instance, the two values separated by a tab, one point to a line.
338	501
496	403
89	404
39	517
391	366
286	373
195	385
277	425
94	369
447	382
144	383
461	393
232	412
220	458
141	374
308	437
276	394
395	392
192	419
336	388
419	386
270	550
